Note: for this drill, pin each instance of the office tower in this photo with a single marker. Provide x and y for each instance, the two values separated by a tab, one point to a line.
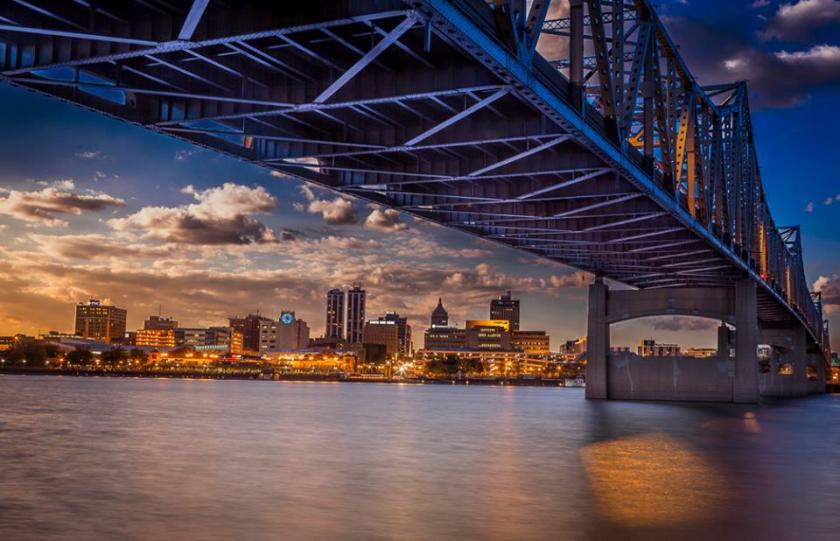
384	333
506	308
249	327
403	331
335	314
355	314
97	321
440	317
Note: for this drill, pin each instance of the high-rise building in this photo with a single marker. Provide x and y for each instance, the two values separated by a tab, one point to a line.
249	327
159	323
506	308
335	314
355	314
97	321
440	317
403	331
385	333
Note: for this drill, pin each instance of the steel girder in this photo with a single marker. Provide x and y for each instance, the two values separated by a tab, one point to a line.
611	159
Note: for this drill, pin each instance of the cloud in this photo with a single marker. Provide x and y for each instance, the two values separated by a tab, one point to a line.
799	21
575	279
784	79
683	323
181	155
92	246
222	215
89	154
721	50
809	208
829	288
758	4
337	211
828	201
43	206
385	220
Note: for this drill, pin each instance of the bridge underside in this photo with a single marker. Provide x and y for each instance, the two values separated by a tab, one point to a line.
413	105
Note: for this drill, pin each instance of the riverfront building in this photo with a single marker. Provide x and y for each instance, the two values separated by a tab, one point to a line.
355	314
100	322
506	308
335	314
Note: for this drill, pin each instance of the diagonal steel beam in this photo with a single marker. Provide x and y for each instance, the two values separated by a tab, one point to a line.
458	116
369	57
75	35
153	47
521	155
565	183
193	18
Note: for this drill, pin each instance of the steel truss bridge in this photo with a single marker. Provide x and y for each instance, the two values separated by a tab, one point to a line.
600	150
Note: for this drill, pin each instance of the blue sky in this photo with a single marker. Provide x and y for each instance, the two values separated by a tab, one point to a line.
144	220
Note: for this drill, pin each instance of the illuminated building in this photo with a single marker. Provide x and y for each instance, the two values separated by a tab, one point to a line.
440	317
285	334
335	314
159	323
445	338
384	333
157	338
100	322
235	342
649	348
249	326
185	336
403	331
530	342
217	336
483	334
355	314
507	309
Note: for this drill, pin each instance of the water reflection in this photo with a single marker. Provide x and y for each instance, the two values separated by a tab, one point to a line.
652	480
144	459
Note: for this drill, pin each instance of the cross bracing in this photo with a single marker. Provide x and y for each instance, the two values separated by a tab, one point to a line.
607	156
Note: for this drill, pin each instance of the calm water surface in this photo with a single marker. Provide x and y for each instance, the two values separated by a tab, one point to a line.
175	459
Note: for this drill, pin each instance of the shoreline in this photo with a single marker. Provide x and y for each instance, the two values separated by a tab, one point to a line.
314	378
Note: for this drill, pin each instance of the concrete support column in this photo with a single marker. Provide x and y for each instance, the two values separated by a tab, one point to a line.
799	357
723	344
745	385
821	375
597	341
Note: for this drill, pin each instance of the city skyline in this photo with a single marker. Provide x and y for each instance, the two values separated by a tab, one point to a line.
112	211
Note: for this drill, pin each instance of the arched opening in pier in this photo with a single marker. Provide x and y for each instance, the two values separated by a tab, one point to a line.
671	336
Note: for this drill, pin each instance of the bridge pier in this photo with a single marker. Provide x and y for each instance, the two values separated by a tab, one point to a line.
597	342
787	375
745	385
719	379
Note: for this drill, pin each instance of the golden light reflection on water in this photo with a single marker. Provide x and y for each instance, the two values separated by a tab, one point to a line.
652	480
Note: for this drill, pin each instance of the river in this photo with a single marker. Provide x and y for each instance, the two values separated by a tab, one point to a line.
110	458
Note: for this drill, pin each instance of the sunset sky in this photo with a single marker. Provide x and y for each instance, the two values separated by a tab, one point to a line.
94	207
